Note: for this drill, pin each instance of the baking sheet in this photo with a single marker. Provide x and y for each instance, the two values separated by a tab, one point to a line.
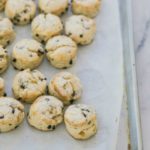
100	68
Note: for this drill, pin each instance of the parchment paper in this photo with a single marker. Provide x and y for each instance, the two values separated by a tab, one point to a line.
100	68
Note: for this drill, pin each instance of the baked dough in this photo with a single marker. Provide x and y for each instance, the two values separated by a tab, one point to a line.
46	26
61	51
27	53
21	12
2	87
11	114
57	7
81	29
66	87
80	121
28	85
46	113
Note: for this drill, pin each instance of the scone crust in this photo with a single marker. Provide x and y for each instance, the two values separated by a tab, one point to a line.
2	4
81	121
61	51
46	113
66	86
11	114
7	33
81	29
28	85
2	87
45	26
89	8
21	12
4	59
56	7
27	53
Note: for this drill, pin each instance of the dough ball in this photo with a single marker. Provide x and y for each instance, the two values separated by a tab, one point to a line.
81	29
46	113
61	51
66	87
80	121
11	114
21	12
28	85
27	53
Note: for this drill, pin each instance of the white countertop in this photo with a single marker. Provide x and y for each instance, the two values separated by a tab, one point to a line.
141	21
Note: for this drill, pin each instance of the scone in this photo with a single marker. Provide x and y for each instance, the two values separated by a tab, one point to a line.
66	87
2	87
4	59
45	26
28	85
57	7
61	51
80	121
88	8
27	53
2	4
11	114
46	113
81	29
21	12
7	33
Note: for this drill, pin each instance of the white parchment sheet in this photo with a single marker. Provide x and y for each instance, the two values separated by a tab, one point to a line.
100	68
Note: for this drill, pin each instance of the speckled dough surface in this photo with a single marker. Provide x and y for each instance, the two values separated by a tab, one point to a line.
2	87
28	85
66	87
11	114
46	26
7	33
2	4
4	59
80	121
46	113
27	53
21	12
61	51
88	8
56	7
81	29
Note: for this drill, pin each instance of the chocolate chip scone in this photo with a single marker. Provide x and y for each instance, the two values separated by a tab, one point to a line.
46	113
21	12
80	121
45	26
66	87
81	29
2	87
2	4
27	53
88	8
7	33
28	85
57	7
61	51
11	114
4	59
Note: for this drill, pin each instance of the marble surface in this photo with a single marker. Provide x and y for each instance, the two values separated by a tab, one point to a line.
141	21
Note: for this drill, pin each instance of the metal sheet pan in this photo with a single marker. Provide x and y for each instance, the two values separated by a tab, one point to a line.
135	133
100	68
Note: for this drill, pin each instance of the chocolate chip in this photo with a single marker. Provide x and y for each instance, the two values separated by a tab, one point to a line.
14	59
16	127
25	11
2	116
5	94
37	35
13	110
64	68
10	124
43	42
84	114
72	101
15	68
73	94
19	98
49	127
40	52
89	122
67	9
21	69
71	62
53	127
8	42
81	35
22	86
